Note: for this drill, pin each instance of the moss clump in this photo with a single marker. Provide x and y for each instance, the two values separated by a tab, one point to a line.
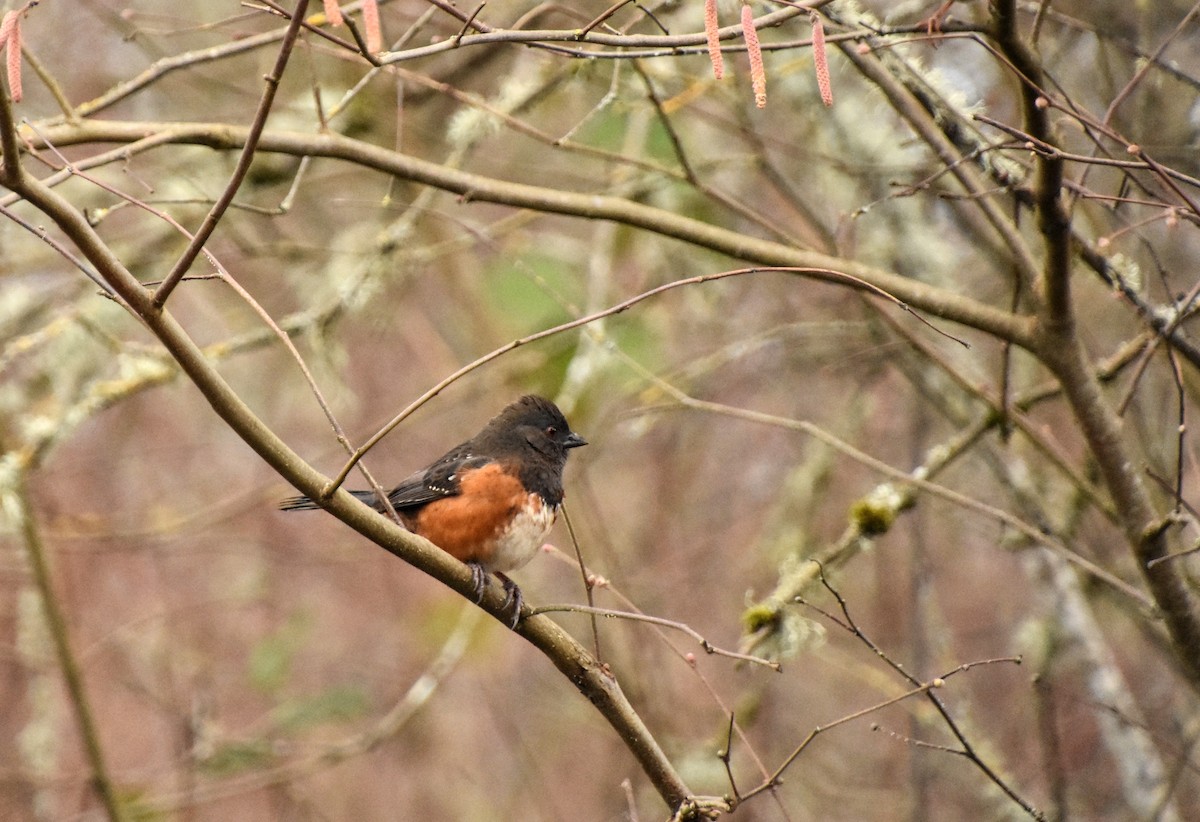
872	517
759	617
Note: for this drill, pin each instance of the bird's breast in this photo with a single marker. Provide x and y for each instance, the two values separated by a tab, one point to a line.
515	544
494	520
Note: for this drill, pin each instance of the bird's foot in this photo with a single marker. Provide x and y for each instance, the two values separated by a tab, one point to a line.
478	580
513	599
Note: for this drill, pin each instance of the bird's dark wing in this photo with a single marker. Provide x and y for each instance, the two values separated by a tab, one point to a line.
437	481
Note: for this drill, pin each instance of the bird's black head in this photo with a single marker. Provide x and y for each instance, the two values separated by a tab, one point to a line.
534	422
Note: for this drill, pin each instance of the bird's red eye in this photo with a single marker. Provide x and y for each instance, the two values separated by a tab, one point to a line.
551	431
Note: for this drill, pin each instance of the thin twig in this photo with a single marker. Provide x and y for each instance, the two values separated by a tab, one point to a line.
604	15
775	777
257	125
268	321
359	46
588	583
708	647
1148	63
689	658
968	750
1030	531
62	250
468	22
51	84
819	273
570	658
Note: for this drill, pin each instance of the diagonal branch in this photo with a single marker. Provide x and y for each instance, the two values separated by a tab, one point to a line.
592	679
929	118
243	164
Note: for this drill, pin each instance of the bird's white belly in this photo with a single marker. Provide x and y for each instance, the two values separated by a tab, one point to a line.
516	544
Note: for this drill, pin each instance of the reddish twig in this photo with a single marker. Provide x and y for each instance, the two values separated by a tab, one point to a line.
633	616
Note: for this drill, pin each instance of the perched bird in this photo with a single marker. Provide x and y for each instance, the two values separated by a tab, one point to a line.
490	501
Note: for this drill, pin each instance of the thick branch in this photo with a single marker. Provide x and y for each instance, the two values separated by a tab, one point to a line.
1062	351
1054	223
1145	530
932	300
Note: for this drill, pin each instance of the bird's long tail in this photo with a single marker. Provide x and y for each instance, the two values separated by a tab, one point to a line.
306	504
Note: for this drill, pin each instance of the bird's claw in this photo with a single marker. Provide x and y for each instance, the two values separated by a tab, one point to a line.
513	598
478	580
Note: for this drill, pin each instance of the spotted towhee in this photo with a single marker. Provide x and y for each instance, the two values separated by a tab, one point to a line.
490	501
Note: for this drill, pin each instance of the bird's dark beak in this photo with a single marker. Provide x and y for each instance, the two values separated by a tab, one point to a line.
573	440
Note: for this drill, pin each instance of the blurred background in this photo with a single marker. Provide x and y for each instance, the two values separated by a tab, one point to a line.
243	663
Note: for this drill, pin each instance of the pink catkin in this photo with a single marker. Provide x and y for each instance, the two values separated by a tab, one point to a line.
10	38
333	13
370	11
758	75
714	42
821	61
